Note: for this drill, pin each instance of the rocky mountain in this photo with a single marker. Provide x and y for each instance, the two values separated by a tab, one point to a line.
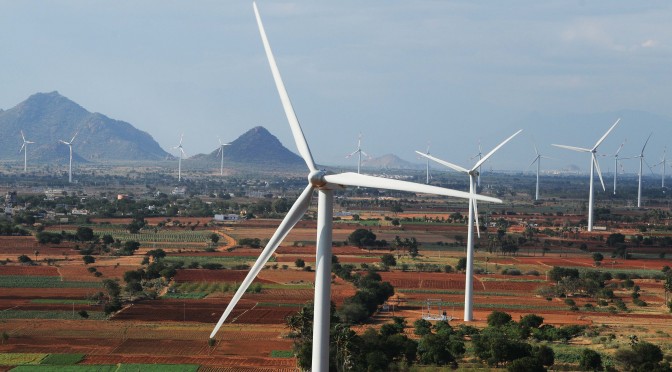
46	118
389	161
256	147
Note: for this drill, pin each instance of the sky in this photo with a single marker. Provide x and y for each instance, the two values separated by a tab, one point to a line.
403	73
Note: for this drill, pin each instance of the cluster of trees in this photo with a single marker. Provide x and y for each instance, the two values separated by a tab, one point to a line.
371	293
143	281
7	228
410	245
364	238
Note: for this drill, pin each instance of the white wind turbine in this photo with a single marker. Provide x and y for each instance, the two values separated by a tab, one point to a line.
641	164
473	216
359	153
616	162
663	162
220	152
426	153
593	166
24	148
479	156
325	183
537	160
70	146
179	161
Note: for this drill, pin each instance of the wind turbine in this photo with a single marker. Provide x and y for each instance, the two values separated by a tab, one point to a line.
221	152
24	148
593	165
70	146
325	183
480	156
641	163
179	162
538	161
425	155
616	162
663	162
473	215
359	153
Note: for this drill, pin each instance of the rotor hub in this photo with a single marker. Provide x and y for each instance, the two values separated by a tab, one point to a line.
316	178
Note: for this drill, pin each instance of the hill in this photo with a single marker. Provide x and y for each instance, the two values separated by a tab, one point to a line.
46	118
389	161
256	147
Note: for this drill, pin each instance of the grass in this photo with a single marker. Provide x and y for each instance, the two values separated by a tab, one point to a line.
168	236
51	314
62	359
72	368
511	279
490	306
227	262
282	354
186	296
59	301
27	281
15	359
277	304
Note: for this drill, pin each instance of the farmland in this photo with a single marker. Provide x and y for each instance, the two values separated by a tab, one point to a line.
54	310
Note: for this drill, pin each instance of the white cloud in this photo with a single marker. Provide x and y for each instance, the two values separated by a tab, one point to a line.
649	44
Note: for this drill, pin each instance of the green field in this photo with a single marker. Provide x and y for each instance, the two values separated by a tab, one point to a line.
59	301
227	262
27	281
170	236
50	314
14	359
62	359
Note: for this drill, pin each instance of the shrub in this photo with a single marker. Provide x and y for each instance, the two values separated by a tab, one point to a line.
590	360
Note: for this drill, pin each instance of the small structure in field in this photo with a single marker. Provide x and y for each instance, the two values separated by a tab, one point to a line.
433	310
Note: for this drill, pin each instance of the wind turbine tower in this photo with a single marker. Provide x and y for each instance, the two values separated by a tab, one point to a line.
480	156
663	162
641	164
359	153
179	161
594	165
325	183
220	152
70	146
473	217
538	161
24	148
616	162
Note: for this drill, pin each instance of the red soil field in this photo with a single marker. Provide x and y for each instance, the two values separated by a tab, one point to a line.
201	275
29	270
71	293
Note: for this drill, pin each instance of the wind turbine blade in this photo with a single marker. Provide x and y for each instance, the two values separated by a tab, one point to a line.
293	216
181	138
354	179
73	137
353	153
365	154
536	150
443	162
534	161
599	172
645	143
478	228
483	159
297	132
606	134
620	148
22	147
647	164
579	149
23	137
63	142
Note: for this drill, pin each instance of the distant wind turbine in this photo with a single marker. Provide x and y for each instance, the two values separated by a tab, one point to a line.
359	153
221	152
24	148
479	156
641	167
537	160
70	146
325	183
616	162
594	165
473	217
179	162
426	154
663	162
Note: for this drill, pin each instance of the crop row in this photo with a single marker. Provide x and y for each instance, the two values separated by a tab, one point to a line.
492	306
28	281
226	261
49	314
449	292
161	236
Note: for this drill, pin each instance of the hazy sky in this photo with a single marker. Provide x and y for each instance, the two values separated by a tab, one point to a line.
401	72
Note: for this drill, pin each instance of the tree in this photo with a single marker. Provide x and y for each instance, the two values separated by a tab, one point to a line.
88	259
84	314
531	321
388	260
25	259
362	238
498	318
461	264
84	234
590	360
597	257
214	238
422	327
299	263
526	364
108	239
